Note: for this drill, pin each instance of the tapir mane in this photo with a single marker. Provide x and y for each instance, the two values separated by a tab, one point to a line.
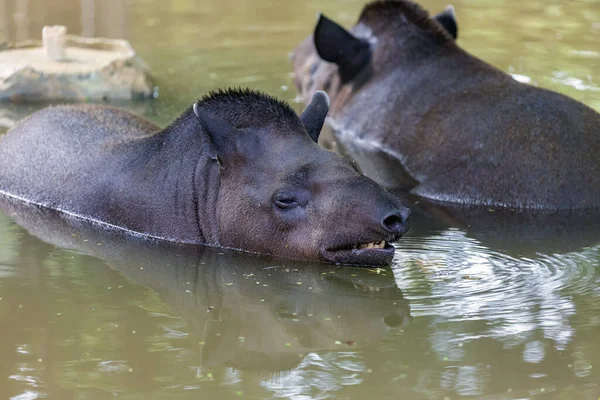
244	108
385	13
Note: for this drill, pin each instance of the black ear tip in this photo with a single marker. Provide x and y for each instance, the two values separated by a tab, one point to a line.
322	20
321	97
447	19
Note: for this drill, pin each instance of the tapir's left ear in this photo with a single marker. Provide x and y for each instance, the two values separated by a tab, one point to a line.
447	19
314	116
336	45
222	135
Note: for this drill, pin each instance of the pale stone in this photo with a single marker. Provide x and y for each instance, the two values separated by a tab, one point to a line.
93	69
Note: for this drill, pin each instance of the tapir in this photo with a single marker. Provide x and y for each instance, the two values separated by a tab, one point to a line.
237	169
420	114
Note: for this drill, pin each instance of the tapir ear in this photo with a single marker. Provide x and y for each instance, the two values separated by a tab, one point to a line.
447	19
336	45
222	134
314	116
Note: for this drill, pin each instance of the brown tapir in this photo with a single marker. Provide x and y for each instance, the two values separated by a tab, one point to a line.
419	113
238	169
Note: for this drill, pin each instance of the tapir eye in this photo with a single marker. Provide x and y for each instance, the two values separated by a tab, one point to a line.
285	202
288	199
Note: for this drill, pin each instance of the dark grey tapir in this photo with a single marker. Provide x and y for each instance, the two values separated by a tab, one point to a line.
418	113
239	169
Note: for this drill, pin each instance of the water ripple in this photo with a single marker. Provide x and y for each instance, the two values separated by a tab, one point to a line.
454	279
317	377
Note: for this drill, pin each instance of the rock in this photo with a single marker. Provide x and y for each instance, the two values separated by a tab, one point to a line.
69	67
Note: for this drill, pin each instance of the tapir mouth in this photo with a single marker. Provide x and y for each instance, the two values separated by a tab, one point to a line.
363	253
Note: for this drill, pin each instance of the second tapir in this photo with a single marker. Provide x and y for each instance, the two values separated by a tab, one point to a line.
239	169
419	113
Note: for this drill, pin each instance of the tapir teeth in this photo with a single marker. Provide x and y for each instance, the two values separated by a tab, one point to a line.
372	245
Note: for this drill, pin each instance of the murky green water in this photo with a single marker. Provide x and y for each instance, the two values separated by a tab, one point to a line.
488	304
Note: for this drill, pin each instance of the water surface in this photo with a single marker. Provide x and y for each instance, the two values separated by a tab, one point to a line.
485	304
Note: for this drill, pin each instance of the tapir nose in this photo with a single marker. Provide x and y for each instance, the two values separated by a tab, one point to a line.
396	222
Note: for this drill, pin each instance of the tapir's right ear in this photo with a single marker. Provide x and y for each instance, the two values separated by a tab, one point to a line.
447	19
314	116
336	45
222	135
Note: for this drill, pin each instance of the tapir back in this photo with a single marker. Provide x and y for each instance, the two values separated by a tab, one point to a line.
59	149
417	112
513	145
481	139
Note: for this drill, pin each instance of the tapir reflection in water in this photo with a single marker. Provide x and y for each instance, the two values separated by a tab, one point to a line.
239	169
248	314
418	113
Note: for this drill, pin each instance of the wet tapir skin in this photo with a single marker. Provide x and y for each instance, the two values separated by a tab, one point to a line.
418	113
239	169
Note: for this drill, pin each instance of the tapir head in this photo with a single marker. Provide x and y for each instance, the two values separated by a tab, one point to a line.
339	61
280	193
